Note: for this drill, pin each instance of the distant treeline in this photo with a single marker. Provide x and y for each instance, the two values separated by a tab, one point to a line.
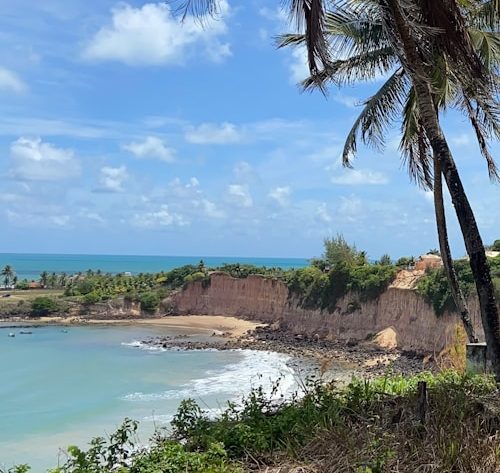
342	269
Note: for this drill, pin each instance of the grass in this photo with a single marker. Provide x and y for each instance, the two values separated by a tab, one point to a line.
17	296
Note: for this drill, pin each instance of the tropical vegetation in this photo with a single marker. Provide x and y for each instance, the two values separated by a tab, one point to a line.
426	43
365	427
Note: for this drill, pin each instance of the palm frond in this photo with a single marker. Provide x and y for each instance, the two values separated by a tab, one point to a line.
379	111
196	8
309	16
484	14
364	67
415	147
454	42
290	39
487	45
483	132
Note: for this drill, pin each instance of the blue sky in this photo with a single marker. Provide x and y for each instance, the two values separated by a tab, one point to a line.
124	132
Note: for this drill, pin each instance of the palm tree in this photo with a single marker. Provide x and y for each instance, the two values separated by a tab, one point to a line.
8	274
396	98
44	278
419	31
451	39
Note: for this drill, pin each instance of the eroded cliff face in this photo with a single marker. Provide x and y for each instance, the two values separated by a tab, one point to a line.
118	308
268	300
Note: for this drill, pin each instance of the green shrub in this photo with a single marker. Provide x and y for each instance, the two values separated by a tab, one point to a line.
317	289
163	456
371	424
150	301
43	305
23	285
92	298
435	289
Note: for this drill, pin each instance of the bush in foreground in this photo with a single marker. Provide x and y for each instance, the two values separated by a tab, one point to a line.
368	427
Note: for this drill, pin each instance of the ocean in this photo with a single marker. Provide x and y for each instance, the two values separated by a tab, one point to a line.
29	266
63	387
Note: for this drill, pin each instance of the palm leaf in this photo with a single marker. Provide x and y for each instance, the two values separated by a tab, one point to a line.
378	112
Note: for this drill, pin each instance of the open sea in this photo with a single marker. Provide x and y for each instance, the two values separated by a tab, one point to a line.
29	266
64	386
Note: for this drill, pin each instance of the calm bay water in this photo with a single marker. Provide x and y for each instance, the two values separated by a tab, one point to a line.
63	388
29	266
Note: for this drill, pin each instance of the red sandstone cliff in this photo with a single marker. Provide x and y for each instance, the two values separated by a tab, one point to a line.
268	300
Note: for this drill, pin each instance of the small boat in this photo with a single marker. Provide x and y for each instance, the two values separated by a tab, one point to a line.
12	334
64	330
25	332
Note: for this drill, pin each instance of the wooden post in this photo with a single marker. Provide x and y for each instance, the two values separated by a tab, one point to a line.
422	401
476	358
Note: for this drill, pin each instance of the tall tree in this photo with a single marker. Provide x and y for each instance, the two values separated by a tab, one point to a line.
357	36
419	31
8	274
403	24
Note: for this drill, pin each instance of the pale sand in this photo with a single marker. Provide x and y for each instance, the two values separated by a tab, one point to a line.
231	326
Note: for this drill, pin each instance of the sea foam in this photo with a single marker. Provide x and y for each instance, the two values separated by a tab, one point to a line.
267	370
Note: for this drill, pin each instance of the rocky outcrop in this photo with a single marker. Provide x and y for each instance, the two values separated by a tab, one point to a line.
118	308
415	325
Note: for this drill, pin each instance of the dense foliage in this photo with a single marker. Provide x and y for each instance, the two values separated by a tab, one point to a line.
435	289
41	306
321	289
367	427
341	270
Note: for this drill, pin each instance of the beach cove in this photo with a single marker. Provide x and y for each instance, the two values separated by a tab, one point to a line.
64	385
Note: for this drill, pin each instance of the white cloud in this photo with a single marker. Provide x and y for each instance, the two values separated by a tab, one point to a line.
347	100
10	81
34	160
112	179
209	133
354	177
350	208
151	35
162	217
428	195
210	209
299	67
463	139
323	213
280	195
60	220
151	147
274	14
240	194
94	216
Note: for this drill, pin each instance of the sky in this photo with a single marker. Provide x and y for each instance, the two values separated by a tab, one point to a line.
123	131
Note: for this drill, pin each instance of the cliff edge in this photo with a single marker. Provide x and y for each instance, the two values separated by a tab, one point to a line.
400	308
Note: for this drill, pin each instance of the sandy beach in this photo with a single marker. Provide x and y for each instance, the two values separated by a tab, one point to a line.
231	327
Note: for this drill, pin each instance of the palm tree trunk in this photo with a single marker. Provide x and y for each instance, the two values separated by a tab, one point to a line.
472	239
444	248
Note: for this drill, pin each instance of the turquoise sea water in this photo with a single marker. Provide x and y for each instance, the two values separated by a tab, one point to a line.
62	388
29	266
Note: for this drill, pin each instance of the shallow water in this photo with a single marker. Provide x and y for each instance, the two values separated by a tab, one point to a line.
59	388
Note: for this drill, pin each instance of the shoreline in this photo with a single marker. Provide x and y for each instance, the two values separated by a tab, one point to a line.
226	326
363	359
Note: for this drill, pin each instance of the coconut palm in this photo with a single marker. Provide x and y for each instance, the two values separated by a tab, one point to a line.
419	31
8	274
44	278
396	99
405	25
